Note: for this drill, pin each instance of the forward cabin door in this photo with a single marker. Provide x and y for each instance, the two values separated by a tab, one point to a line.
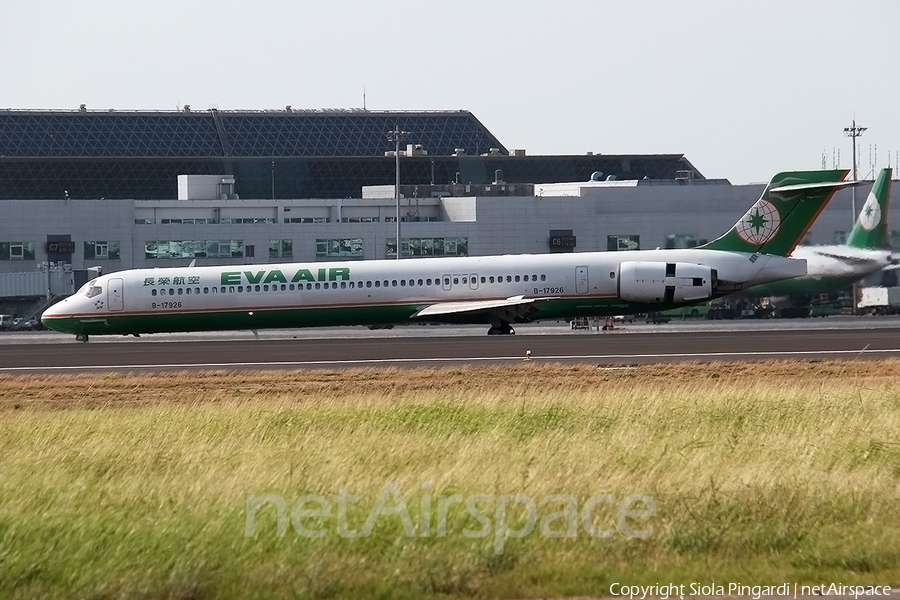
115	294
581	280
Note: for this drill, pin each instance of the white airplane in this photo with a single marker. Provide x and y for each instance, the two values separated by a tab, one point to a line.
832	268
495	290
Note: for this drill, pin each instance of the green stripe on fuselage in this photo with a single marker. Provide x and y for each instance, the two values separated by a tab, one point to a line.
267	318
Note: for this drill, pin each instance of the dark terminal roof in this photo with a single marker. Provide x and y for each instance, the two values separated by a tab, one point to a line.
308	153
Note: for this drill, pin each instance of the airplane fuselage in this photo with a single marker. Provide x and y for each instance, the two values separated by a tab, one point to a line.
546	286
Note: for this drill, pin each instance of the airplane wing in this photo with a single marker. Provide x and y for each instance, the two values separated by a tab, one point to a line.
510	309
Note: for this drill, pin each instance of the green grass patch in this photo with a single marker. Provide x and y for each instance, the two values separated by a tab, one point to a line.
137	487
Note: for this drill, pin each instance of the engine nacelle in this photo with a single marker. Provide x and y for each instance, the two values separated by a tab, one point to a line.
666	282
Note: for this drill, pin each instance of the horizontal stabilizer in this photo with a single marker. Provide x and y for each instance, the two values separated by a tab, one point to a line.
806	187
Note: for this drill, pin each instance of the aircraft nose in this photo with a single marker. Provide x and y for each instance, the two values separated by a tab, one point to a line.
53	311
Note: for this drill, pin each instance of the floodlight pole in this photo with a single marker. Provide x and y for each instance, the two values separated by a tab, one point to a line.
854	132
396	135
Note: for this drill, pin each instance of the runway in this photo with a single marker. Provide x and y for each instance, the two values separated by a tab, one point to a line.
837	338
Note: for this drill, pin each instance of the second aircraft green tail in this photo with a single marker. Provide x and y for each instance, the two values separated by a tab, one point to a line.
870	230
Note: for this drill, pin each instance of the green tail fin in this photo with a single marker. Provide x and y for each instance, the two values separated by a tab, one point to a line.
783	214
870	230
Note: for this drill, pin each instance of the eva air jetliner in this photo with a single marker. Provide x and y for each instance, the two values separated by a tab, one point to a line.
832	268
494	290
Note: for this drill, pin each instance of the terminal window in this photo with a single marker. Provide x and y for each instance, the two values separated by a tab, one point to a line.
281	248
162	249
339	248
616	243
108	250
680	240
438	246
16	250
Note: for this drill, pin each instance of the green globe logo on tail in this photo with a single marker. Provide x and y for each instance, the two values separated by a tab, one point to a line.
870	216
760	223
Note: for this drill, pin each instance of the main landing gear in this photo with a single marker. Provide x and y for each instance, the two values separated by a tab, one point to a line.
502	329
81	337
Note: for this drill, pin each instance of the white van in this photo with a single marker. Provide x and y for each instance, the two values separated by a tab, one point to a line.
6	322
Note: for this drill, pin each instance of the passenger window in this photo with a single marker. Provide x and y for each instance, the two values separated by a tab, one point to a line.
543	277
509	279
465	280
483	279
377	284
188	291
231	289
517	279
343	284
403	282
394	283
421	282
318	286
428	281
291	287
491	279
455	280
369	284
385	283
171	291
152	292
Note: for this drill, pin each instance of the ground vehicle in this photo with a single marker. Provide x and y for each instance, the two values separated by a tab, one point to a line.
879	300
6	322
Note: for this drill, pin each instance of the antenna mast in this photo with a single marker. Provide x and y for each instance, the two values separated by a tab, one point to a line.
854	132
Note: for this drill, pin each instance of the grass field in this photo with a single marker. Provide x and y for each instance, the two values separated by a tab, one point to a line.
137	486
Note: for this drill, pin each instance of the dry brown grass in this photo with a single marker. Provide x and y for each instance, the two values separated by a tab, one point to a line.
54	392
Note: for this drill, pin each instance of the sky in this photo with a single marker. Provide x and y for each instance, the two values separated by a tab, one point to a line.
742	89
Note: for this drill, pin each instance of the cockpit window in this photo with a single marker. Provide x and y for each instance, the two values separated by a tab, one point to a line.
90	289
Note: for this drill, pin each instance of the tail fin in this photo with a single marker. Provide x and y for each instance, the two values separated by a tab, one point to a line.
870	230
783	214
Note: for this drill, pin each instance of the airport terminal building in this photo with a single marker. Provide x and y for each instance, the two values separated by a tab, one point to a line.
121	190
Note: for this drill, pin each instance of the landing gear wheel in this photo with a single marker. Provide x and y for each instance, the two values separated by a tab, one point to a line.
504	329
81	337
